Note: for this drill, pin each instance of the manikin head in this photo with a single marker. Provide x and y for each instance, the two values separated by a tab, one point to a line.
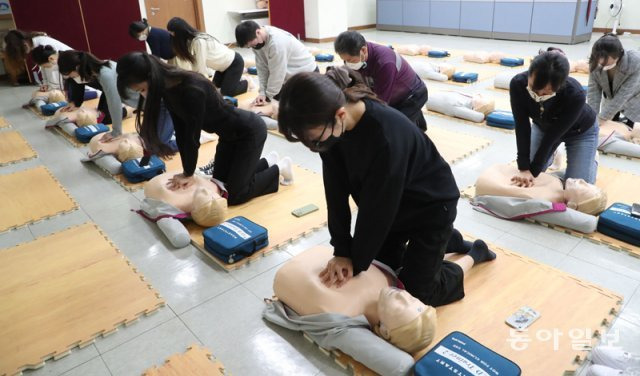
496	56
405	321
56	96
209	208
483	104
85	117
584	197
125	147
447	69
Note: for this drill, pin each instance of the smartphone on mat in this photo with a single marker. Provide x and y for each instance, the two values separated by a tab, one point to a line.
299	212
523	318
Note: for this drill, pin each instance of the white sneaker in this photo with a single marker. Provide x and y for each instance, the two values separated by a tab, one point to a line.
286	171
559	158
599	370
272	158
614	357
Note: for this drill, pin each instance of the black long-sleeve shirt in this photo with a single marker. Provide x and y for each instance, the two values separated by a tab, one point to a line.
194	107
565	114
393	172
159	41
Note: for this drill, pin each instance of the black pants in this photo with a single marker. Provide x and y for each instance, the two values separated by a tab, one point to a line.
420	252
104	108
245	174
412	105
229	80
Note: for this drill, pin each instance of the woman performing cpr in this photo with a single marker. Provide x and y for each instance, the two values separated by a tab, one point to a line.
195	105
405	192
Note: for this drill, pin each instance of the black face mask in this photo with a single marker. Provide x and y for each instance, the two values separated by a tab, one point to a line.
258	46
328	143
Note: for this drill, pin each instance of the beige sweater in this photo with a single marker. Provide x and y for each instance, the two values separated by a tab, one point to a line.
209	53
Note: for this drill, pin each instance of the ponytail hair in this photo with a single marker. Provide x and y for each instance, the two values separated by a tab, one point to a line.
40	54
85	63
138	67
138	27
309	100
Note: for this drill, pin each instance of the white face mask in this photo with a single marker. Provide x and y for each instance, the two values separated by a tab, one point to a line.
78	80
354	66
142	37
539	98
610	66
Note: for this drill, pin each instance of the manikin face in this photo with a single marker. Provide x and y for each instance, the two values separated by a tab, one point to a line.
578	190
203	196
397	307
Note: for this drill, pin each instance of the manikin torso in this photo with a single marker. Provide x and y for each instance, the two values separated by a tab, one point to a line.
184	199
297	284
86	115
496	181
127	141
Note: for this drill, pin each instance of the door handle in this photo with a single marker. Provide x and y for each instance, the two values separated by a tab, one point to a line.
155	9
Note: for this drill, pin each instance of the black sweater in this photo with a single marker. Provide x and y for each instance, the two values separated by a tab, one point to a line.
194	106
393	172
565	114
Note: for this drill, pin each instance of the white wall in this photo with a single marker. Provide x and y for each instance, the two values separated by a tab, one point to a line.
361	12
324	18
630	16
219	22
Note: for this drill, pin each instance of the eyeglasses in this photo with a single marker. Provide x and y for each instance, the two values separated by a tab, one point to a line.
318	143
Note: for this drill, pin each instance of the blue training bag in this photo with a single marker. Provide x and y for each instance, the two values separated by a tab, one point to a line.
235	239
51	108
86	133
512	61
324	57
618	223
501	119
467	77
458	354
90	94
438	53
141	169
252	70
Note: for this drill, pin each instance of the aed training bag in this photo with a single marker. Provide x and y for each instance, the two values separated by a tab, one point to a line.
235	239
501	119
51	108
512	61
438	53
618	223
142	169
85	134
467	77
459	354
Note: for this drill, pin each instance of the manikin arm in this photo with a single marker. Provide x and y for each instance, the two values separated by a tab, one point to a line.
468	114
618	145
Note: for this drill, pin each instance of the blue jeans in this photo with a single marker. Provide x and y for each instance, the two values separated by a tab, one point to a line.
581	152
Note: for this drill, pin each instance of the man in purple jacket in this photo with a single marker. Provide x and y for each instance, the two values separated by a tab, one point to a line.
388	74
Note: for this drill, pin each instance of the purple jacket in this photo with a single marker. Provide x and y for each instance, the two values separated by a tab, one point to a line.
382	75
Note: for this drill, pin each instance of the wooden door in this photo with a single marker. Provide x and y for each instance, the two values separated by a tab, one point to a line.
159	12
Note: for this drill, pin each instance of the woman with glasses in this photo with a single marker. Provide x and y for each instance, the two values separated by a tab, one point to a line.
195	105
405	192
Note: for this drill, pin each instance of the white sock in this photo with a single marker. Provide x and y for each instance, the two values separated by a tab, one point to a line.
272	158
286	171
